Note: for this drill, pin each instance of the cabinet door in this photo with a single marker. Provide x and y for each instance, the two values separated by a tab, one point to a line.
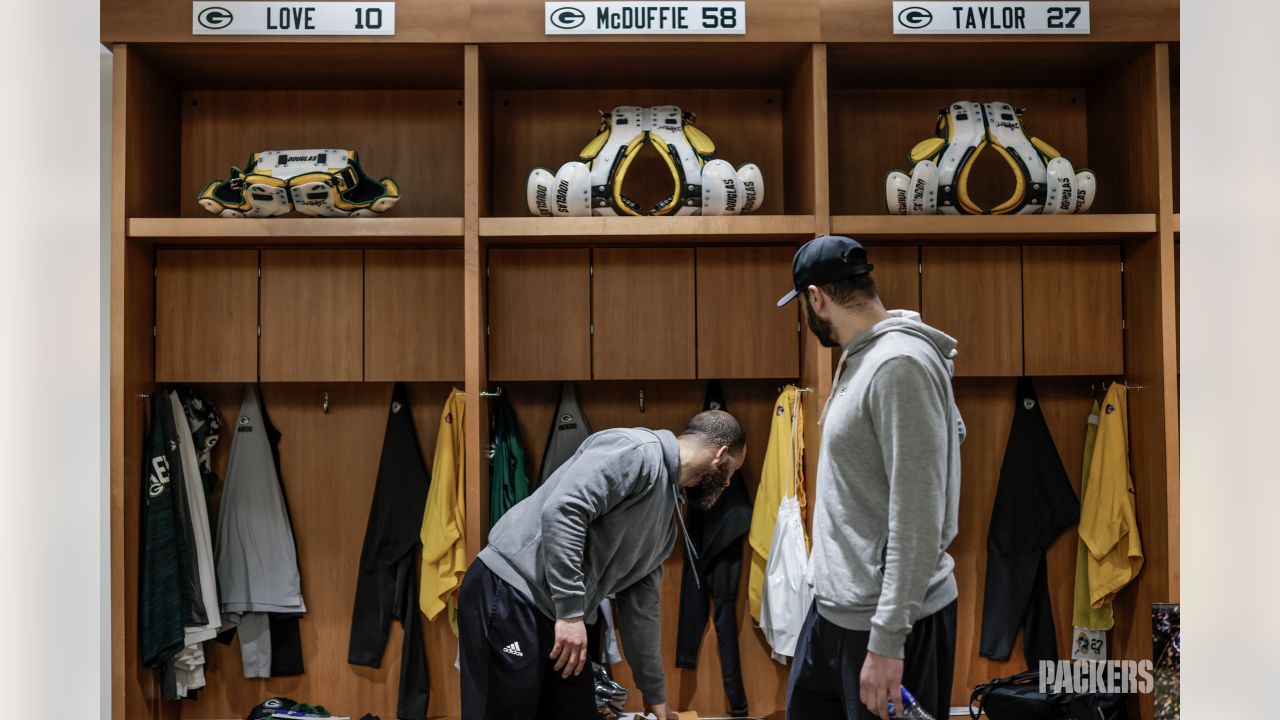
1072	310
742	333
206	316
413	319
643	313
974	294
540	314
311	315
897	275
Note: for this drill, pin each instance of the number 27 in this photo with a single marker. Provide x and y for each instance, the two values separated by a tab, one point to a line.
1057	15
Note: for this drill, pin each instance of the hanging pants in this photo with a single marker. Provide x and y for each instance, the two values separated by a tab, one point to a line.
719	578
504	646
826	674
387	584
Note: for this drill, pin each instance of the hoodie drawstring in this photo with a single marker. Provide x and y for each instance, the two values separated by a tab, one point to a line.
691	555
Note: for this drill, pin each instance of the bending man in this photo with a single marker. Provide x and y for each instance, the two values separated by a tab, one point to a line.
600	526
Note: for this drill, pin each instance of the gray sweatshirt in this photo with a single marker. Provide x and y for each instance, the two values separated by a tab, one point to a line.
600	526
888	489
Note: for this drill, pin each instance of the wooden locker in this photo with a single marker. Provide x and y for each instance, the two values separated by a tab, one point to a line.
206	316
742	333
643	314
897	275
413	315
974	294
540	314
1072	310
311	316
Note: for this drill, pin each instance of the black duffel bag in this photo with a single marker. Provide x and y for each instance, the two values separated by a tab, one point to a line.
1018	697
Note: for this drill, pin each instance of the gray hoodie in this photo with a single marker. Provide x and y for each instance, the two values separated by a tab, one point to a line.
601	525
888	489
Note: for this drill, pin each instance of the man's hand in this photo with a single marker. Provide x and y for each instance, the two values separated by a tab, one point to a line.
659	711
570	651
881	681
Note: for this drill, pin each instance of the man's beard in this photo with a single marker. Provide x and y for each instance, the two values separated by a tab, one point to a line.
706	493
821	328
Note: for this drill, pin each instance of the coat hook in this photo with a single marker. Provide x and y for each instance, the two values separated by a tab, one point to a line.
324	403
496	393
642	401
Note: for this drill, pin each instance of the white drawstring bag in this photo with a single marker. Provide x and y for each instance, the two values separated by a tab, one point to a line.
787	595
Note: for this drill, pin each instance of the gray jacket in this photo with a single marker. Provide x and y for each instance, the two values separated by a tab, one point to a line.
601	525
888	489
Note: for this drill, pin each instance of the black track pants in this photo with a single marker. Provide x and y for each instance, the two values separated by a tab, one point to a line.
826	672
720	578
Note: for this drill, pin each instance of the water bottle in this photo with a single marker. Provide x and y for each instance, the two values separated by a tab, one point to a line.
911	710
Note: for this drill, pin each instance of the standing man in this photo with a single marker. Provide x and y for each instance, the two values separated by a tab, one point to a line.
601	525
888	493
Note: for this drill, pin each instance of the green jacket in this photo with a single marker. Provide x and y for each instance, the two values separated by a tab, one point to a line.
509	482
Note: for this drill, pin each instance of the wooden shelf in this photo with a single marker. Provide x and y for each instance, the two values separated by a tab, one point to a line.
729	230
286	231
998	228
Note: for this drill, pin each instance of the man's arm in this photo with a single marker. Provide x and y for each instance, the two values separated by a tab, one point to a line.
639	623
910	419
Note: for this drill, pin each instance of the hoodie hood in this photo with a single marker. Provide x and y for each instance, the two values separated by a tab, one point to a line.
905	321
899	321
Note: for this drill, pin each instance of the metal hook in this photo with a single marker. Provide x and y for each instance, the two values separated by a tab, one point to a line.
803	389
494	394
324	403
144	396
642	401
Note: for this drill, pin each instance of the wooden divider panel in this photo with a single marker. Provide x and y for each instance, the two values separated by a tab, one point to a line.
642	313
974	294
311	315
206	315
742	333
413	315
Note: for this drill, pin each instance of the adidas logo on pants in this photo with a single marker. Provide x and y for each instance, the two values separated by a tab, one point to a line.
513	649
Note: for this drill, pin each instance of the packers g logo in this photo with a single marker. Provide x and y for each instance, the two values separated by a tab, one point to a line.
915	17
215	18
568	18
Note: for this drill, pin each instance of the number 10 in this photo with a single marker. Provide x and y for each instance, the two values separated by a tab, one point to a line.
368	18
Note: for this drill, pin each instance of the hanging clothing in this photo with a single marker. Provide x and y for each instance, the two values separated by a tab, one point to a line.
568	429
717	536
1108	520
1083	614
1034	505
257	558
444	524
508	480
189	663
787	594
781	476
164	590
387	583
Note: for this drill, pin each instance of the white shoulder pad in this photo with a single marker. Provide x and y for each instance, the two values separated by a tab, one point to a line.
667	123
751	185
285	164
966	131
538	191
571	191
1060	196
626	123
916	194
1006	131
720	192
1086	190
